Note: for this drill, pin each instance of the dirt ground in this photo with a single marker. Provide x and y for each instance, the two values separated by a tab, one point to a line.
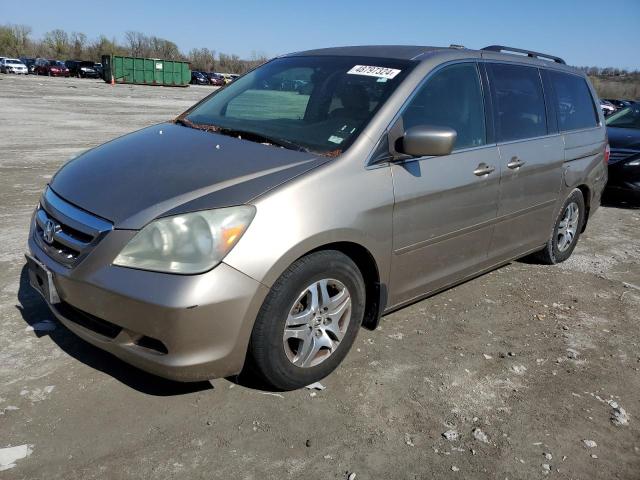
519	367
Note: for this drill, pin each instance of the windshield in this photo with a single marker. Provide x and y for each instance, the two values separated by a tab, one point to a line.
318	103
626	118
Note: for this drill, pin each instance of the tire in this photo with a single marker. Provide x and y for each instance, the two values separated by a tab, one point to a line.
288	363
557	249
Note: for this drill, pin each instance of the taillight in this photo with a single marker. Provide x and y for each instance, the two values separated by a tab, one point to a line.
607	153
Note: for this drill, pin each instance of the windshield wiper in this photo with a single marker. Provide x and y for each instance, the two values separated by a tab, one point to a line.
247	135
261	138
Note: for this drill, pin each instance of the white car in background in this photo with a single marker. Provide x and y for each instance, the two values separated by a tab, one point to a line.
13	65
607	107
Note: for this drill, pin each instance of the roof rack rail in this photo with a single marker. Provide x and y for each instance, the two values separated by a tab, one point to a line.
528	53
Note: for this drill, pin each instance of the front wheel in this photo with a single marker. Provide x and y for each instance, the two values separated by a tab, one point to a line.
308	321
566	231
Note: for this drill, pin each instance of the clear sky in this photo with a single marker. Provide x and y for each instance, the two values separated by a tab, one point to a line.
584	32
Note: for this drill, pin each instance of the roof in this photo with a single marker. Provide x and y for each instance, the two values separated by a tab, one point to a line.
416	52
401	52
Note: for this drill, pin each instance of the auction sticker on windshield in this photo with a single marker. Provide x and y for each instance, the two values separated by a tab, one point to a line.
371	71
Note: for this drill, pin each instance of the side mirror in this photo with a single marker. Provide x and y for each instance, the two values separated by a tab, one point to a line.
427	140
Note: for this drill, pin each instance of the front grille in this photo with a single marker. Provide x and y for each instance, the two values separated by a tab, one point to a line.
65	232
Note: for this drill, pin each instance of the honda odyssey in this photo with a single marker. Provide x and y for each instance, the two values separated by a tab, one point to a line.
269	222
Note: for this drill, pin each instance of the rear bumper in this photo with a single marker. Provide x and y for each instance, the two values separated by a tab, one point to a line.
181	327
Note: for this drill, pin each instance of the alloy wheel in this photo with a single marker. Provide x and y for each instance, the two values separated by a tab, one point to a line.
568	226
317	323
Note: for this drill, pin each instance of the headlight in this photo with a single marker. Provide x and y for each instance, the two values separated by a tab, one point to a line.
191	243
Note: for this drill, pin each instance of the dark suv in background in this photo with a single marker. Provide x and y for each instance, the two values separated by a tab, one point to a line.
623	128
30	63
82	69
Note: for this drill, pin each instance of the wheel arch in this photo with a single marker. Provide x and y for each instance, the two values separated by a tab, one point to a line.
376	292
586	195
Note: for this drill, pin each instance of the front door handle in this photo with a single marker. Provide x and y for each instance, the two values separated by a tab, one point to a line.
515	163
483	169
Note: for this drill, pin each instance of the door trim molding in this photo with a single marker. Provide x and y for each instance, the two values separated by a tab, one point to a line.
472	228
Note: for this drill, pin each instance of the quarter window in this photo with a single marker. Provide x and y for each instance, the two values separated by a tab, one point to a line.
451	98
574	103
518	102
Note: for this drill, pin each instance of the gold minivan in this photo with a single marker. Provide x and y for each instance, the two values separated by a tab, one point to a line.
311	196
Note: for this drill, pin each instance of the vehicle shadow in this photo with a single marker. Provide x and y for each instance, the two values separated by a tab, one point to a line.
34	310
251	379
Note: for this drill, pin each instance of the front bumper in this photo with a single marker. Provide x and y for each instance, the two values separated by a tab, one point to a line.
181	327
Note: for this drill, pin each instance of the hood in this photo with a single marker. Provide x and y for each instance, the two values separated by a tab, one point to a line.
169	169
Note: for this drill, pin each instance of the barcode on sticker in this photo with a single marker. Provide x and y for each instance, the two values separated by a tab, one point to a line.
371	71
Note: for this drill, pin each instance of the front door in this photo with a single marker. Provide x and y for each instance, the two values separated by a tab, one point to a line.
444	206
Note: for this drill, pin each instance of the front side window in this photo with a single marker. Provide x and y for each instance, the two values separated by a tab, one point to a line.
317	103
574	103
452	97
518	102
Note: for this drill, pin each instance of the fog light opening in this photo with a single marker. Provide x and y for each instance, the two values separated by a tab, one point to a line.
152	344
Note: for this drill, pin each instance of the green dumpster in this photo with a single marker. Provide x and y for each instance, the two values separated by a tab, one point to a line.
146	71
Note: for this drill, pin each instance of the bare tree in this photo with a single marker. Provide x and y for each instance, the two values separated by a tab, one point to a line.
103	46
14	39
231	63
137	43
57	43
202	59
78	45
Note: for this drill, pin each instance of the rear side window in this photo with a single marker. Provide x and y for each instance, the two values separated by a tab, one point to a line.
451	98
574	103
518	101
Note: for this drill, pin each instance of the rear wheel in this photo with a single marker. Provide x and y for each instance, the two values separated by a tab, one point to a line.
566	231
308	321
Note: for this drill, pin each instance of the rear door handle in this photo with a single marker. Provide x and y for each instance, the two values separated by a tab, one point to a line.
483	169
515	163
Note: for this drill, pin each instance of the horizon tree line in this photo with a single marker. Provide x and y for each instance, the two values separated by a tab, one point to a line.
17	41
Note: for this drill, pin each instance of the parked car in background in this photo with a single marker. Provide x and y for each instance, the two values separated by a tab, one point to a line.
618	104
52	68
29	62
216	79
226	76
100	69
199	78
81	69
623	128
607	107
13	65
277	226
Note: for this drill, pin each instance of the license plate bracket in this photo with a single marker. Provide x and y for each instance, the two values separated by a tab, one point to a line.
41	279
